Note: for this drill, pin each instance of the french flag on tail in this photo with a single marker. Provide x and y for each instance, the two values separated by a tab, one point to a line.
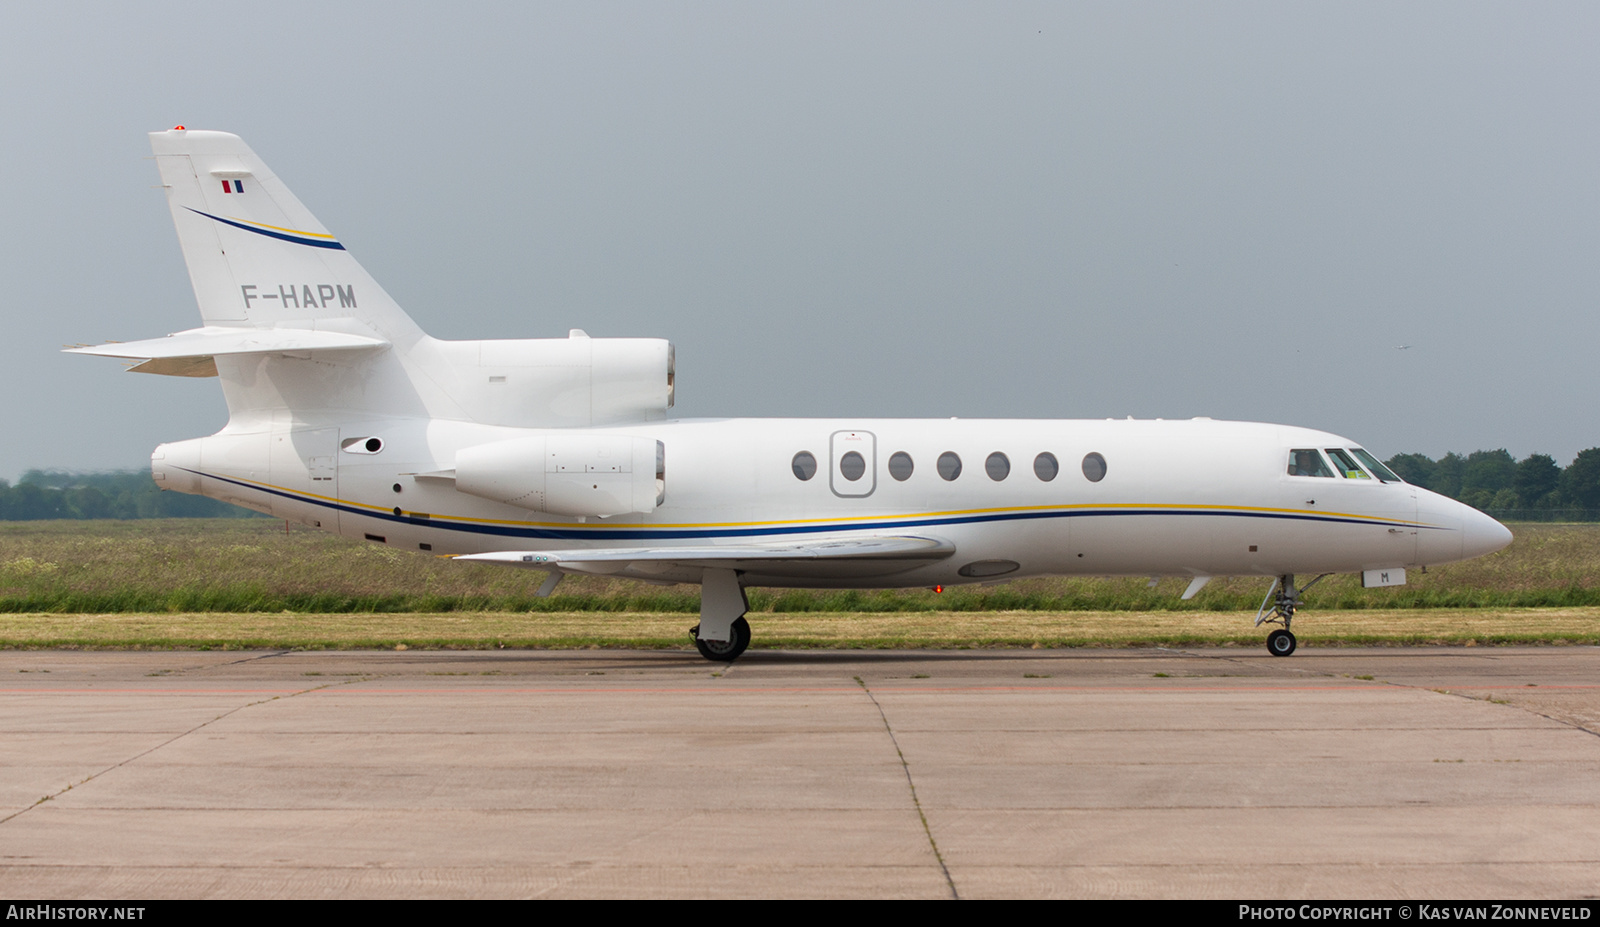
233	186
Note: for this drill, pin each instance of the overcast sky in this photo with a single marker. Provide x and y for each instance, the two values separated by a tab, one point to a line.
1050	210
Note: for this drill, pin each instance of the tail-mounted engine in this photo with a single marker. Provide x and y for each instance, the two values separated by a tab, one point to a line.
569	474
572	382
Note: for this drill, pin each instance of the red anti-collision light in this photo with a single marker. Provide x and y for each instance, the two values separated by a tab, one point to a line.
177	128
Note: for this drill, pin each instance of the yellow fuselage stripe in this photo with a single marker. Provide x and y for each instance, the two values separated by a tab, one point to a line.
841	520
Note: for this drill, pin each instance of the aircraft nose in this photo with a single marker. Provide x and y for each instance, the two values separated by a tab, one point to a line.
1455	531
1481	534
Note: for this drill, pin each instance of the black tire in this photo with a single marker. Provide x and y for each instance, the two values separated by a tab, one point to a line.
725	652
1280	643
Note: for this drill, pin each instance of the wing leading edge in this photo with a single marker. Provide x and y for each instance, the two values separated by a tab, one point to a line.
869	555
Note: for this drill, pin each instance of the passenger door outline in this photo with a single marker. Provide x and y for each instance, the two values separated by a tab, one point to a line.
842	443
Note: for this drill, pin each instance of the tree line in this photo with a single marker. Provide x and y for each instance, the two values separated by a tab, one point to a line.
43	494
1495	481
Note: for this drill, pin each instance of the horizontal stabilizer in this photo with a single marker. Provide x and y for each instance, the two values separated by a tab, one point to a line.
766	559
190	353
201	342
204	366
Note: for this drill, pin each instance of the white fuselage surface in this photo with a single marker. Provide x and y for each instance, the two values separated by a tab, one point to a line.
1194	498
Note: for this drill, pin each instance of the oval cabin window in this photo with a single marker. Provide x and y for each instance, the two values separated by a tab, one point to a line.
852	466
1094	467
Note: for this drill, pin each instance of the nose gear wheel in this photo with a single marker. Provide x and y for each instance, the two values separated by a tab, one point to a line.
1285	599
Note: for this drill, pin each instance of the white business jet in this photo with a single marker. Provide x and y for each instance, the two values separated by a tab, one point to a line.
559	455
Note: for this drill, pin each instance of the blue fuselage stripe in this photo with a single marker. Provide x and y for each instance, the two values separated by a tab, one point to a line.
599	533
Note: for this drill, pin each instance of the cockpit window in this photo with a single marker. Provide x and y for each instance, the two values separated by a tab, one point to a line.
1305	461
1378	469
1346	466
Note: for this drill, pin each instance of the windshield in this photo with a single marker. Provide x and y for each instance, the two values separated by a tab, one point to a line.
1346	466
1378	469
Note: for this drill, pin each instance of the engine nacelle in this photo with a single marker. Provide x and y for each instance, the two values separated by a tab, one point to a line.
572	382
567	474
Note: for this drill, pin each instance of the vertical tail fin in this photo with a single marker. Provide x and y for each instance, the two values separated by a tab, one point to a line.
297	331
257	257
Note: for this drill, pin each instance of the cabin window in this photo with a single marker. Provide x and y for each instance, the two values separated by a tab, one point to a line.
1045	467
852	466
1094	467
949	465
901	465
804	466
998	466
1305	461
1346	464
1377	469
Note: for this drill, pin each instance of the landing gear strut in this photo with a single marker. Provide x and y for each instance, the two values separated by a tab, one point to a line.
722	633
1281	643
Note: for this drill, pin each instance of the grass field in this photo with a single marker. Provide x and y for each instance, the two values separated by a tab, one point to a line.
249	583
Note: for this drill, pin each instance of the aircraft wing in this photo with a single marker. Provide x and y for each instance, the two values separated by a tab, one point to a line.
191	353
798	559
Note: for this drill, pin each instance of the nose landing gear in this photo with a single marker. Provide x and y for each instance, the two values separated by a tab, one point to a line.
1281	643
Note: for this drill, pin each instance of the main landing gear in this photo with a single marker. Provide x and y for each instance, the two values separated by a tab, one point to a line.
722	633
724	651
1281	643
